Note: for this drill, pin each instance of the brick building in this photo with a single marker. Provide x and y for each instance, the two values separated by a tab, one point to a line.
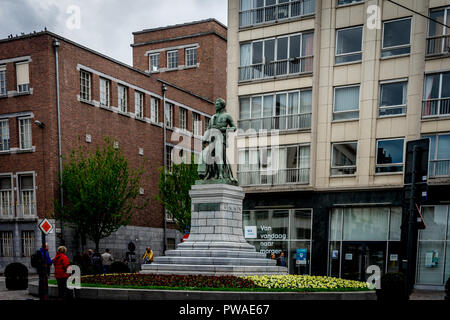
97	97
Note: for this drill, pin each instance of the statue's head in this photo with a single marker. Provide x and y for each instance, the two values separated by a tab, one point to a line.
220	104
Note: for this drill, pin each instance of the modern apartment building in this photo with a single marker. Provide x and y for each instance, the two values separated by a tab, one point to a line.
97	97
326	94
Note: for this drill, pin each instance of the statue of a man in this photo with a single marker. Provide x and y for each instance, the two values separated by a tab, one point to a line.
213	164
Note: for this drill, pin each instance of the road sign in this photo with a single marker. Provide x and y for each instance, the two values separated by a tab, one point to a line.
45	226
422	147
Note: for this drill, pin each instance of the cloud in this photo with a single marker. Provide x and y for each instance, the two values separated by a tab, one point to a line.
105	25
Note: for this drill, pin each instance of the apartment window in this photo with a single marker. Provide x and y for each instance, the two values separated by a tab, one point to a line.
346	103
172	59
28	247
191	57
154	109
269	58
389	155
281	111
393	95
169	151
436	101
396	37
26	195
25	133
6	196
154	62
343	158
345	2
439	156
6	244
169	115
274	166
269	11
438	40
4	135
105	87
23	77
139	104
183	119
123	97
349	45
207	120
196	124
85	85
3	88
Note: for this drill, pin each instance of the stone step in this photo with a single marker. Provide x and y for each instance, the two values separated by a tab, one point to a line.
156	268
213	261
215	253
216	245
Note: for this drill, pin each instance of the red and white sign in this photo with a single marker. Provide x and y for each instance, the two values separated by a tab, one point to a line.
45	226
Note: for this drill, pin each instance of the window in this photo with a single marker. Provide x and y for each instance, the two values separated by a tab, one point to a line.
123	97
6	196
438	40
85	85
105	99
343	158
389	156
196	124
344	2
139	104
26	195
154	62
28	243
4	135
25	133
191	56
23	77
396	37
3	88
169	151
276	57
172	59
346	103
277	165
439	157
206	123
6	244
269	11
282	111
436	101
349	45
169	115
154	109
183	119
393	96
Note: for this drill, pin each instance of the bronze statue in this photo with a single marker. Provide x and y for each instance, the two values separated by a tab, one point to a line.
213	164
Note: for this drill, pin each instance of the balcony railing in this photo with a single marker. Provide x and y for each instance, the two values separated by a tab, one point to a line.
438	45
276	68
274	177
26	211
436	107
277	12
6	212
439	168
287	122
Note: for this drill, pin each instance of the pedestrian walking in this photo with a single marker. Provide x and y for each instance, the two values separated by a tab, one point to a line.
37	262
107	260
97	263
61	263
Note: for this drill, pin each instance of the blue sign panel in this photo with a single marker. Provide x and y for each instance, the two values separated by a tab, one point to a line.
301	256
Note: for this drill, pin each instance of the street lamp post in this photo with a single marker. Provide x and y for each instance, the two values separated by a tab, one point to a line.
164	89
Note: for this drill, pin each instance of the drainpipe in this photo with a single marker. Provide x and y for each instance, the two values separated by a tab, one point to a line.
164	89
58	112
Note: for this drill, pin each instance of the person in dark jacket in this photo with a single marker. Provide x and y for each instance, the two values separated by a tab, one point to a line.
44	273
61	263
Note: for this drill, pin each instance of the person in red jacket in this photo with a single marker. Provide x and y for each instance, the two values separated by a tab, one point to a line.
61	263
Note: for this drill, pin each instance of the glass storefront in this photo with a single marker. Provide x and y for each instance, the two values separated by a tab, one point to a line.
433	254
278	232
363	236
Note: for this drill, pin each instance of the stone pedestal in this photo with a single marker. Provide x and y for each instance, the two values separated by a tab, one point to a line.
216	245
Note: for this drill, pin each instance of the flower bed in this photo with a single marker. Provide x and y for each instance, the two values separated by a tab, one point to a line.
235	283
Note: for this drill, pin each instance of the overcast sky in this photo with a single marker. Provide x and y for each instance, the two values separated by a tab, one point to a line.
103	25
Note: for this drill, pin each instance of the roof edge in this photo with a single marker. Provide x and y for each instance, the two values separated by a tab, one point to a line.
181	25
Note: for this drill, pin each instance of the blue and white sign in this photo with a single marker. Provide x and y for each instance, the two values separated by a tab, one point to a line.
250	232
301	255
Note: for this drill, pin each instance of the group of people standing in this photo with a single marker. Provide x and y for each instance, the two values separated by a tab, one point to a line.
94	262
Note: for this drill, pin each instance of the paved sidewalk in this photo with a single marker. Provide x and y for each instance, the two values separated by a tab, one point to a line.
6	294
427	295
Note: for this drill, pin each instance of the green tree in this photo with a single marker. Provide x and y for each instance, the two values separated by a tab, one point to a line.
174	192
100	191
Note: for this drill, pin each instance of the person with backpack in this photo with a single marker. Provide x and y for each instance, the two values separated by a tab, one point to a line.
37	262
61	263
